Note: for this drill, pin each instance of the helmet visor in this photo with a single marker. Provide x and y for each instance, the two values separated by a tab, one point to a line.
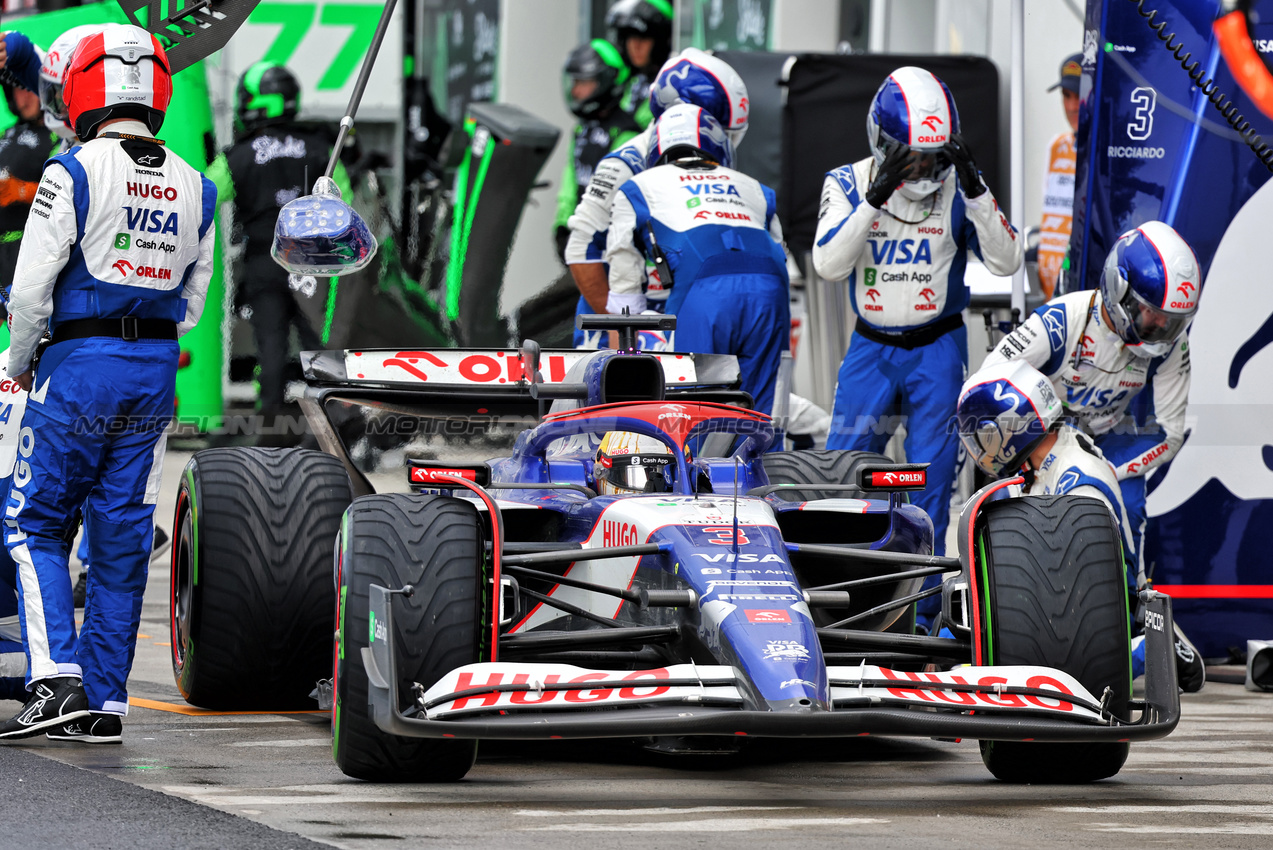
648	475
1151	324
51	98
920	164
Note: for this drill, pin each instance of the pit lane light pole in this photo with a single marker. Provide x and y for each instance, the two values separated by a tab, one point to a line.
1017	145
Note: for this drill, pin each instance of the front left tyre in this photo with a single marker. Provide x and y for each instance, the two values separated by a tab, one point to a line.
251	590
433	543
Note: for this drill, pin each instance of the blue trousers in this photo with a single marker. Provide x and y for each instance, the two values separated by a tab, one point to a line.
881	386
1118	449
92	436
12	660
748	316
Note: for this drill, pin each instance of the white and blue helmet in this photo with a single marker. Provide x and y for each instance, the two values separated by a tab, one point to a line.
701	79
1003	413
1150	288
915	110
686	130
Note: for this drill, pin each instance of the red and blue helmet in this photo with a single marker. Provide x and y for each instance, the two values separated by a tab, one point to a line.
689	131
915	110
1150	287
1004	411
701	79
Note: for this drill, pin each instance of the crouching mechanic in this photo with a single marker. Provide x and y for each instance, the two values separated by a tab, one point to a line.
898	226
715	238
1102	348
1011	421
116	266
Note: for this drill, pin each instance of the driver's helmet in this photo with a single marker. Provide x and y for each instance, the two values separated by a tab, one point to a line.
1003	413
629	463
915	110
1150	288
689	132
53	75
700	79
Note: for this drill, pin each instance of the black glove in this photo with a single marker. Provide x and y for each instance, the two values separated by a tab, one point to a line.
892	171
961	158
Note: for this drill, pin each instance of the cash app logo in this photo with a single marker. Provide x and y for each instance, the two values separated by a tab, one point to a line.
870	278
123	241
693	202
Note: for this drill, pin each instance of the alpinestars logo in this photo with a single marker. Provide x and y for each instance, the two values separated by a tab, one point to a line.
123	267
31	714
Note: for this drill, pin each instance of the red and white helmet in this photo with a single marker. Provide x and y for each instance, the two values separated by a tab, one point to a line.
121	72
52	74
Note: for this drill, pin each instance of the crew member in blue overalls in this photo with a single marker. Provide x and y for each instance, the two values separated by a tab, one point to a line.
1012	421
1102	348
715	239
897	226
115	264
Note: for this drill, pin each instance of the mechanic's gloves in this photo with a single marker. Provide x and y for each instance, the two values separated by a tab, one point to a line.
892	171
961	157
634	301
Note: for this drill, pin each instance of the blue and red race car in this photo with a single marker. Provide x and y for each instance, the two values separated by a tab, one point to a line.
642	564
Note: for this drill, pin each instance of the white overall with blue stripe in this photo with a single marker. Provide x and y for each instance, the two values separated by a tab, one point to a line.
1099	379
121	227
904	266
720	234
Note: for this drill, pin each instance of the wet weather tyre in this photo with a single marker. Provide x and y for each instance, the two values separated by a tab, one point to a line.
1057	592
435	544
251	591
818	467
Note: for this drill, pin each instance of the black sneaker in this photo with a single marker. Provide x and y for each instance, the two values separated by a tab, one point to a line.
161	544
1191	673
52	702
97	728
80	593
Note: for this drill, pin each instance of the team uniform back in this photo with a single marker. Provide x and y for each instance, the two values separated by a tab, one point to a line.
720	234
269	168
140	213
125	230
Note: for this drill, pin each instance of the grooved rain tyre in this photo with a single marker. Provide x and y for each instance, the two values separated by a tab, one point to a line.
435	544
1058	598
827	466
252	595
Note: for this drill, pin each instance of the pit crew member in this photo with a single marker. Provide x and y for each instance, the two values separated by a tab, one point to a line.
595	75
1012	421
117	268
714	236
1103	348
897	227
642	30
23	149
692	77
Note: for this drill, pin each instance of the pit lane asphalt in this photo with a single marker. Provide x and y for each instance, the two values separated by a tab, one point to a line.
208	780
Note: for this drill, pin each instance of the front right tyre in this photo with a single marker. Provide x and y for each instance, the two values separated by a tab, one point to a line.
1052	573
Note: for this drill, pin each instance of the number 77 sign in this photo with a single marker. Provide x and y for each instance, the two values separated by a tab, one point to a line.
323	42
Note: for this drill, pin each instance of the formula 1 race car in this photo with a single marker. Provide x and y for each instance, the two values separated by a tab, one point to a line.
641	565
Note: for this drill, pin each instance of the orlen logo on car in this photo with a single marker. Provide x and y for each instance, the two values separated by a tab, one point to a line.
898	479
767	616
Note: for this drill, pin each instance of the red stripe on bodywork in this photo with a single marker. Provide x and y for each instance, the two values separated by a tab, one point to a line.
1216	591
